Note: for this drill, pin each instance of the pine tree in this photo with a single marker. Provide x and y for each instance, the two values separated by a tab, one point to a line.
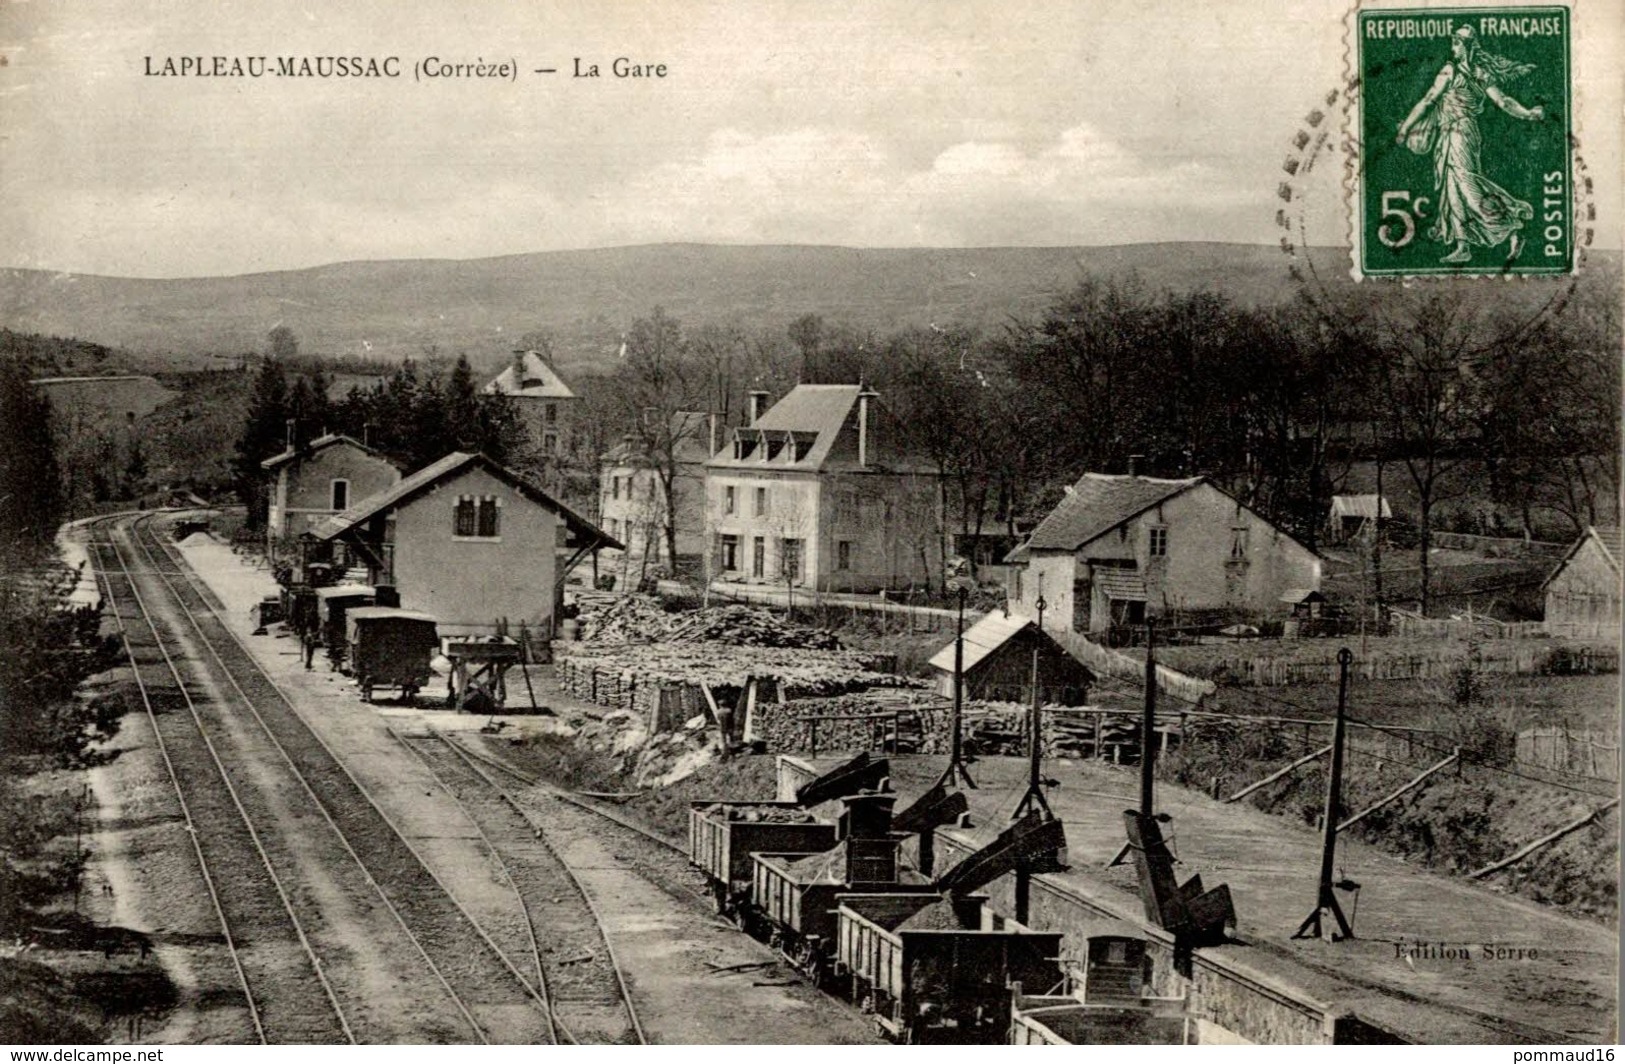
31	502
262	437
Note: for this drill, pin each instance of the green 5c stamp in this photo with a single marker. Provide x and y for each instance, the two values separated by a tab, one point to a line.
1464	129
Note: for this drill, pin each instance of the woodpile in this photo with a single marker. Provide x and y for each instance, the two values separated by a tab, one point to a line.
748	626
643	619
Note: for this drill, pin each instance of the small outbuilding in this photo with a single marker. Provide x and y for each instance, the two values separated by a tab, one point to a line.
999	662
1355	517
1584	589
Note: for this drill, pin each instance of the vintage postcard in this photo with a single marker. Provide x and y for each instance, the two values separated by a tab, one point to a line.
751	522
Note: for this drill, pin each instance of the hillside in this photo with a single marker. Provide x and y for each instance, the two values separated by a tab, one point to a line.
585	298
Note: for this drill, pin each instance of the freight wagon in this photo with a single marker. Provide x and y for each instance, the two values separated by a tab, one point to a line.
793	897
388	647
939	969
722	836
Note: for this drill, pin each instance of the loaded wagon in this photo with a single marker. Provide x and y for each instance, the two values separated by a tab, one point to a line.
332	603
793	897
939	968
722	836
389	647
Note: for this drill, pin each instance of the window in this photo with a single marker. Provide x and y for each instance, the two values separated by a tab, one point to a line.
476	517
758	557
341	494
843	555
1238	543
730	554
761	501
552	415
1159	543
614	528
730	499
550	442
791	557
615	487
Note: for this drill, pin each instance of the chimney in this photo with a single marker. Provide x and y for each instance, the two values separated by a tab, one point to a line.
1134	463
292	425
711	420
757	398
518	368
864	395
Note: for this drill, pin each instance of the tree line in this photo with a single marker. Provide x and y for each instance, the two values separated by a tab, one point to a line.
1494	415
415	415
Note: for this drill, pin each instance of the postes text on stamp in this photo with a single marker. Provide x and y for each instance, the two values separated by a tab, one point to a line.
1463	120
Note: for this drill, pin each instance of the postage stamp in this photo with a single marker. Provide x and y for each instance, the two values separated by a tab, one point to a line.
1464	122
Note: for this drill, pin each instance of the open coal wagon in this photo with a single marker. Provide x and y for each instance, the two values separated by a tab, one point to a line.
389	647
934	968
794	896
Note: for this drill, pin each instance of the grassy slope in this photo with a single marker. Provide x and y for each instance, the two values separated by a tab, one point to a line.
385	310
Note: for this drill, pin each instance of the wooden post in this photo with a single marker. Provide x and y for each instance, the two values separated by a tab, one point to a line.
1148	722
1272	777
1545	840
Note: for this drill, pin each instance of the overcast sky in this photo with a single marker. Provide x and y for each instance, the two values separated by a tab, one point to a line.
874	123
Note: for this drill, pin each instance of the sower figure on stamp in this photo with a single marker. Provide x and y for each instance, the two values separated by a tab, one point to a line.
1471	209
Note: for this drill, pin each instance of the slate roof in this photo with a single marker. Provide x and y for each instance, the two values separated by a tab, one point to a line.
451	465
1098	503
691	438
535	379
320	443
815	415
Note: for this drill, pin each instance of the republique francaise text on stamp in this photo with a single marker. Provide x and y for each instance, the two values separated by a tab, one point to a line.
1464	121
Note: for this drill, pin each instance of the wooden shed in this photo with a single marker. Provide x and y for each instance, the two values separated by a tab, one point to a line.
999	662
1584	589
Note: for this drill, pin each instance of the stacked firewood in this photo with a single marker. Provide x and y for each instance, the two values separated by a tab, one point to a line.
749	626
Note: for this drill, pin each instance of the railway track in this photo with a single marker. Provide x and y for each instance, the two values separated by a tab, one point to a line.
271	952
485	993
586	988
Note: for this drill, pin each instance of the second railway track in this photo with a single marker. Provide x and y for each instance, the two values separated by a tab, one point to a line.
569	944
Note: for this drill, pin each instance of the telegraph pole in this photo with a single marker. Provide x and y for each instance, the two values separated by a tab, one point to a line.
1326	899
961	582
1148	722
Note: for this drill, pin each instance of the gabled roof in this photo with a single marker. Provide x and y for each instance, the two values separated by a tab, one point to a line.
1360	506
813	418
983	638
452	465
529	376
320	443
1098	503
1608	537
690	435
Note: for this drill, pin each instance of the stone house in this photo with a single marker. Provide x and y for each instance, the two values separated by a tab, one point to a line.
1118	548
818	491
544	403
317	481
470	542
632	500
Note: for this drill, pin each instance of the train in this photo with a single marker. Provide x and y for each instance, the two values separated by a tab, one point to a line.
926	957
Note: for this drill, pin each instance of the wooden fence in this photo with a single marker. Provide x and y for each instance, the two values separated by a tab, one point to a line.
1579	753
1532	659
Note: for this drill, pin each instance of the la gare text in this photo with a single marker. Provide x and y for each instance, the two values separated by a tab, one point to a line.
388	66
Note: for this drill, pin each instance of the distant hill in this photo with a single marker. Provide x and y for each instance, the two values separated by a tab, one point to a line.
387	310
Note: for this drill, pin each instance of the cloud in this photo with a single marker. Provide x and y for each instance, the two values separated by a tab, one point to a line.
828	185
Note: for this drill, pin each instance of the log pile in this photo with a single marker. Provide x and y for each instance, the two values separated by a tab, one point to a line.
642	619
747	626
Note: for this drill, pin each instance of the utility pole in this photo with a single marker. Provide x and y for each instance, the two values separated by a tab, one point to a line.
1326	899
1034	798
1148	723
961	582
